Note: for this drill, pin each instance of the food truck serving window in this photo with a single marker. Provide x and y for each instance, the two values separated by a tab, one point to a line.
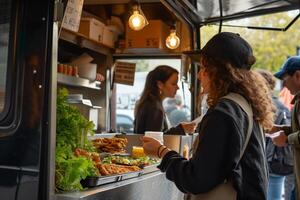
128	95
5	14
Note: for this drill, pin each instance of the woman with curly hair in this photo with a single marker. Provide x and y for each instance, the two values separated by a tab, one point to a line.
230	149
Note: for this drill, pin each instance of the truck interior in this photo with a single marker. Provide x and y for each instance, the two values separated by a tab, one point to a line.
33	45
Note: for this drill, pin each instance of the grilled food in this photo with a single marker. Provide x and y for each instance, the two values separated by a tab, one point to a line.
110	145
90	155
111	169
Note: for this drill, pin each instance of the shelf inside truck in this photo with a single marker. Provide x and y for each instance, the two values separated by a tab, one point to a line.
84	42
77	81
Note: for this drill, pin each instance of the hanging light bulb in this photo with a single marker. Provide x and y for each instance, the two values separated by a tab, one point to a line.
172	41
137	21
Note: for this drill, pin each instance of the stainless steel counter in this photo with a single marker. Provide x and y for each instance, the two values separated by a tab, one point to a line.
147	187
151	186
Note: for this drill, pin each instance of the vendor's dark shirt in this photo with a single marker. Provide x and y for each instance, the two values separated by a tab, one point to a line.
222	134
151	117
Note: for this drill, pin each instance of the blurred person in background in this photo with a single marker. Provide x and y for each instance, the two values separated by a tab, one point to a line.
280	159
286	97
289	73
179	113
289	182
162	82
169	105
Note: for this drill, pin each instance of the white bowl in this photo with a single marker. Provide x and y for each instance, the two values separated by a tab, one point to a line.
88	71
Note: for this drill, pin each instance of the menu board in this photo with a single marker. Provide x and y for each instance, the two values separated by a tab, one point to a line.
71	20
124	73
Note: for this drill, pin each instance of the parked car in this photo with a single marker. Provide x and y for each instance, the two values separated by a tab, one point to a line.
125	121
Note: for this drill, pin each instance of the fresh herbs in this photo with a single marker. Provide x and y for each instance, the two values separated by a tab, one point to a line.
72	130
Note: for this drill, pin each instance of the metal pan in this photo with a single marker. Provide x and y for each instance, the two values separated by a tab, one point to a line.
150	168
101	180
131	175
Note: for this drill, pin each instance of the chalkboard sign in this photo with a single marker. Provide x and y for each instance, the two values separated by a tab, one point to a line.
124	73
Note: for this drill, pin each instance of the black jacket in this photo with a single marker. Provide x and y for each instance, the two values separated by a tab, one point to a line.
222	134
151	117
283	155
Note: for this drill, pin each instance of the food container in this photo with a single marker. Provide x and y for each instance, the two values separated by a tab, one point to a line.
88	71
137	151
94	115
129	175
150	168
60	68
101	180
86	108
158	135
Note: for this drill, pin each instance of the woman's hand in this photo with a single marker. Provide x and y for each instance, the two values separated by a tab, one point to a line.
189	127
151	146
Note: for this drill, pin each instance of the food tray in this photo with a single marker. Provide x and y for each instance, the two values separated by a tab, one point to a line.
101	180
130	175
105	154
150	168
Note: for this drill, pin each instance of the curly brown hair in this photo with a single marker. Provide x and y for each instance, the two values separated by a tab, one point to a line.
226	78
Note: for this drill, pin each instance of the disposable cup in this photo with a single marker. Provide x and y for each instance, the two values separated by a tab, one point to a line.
156	135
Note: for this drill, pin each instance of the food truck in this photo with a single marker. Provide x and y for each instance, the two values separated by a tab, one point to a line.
87	47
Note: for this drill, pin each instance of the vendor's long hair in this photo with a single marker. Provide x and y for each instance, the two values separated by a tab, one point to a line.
151	91
226	78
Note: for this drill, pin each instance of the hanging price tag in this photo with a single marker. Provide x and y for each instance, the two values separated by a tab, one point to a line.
71	20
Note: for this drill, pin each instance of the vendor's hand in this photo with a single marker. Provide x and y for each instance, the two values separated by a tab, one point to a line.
151	146
189	127
280	140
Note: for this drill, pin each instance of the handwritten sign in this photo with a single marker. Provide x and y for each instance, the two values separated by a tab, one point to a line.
124	73
71	20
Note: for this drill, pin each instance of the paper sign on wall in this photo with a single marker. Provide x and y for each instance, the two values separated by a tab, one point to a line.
124	73
71	20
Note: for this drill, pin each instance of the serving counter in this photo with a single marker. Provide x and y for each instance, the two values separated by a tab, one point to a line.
147	187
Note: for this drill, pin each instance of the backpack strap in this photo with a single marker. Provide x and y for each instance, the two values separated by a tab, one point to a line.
242	102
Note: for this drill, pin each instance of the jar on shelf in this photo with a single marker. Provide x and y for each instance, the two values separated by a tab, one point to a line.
75	71
60	68
70	70
66	69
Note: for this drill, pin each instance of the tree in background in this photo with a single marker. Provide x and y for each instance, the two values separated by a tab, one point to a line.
271	48
142	65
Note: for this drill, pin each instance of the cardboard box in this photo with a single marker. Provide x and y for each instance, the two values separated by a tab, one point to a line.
109	37
183	33
92	28
152	36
